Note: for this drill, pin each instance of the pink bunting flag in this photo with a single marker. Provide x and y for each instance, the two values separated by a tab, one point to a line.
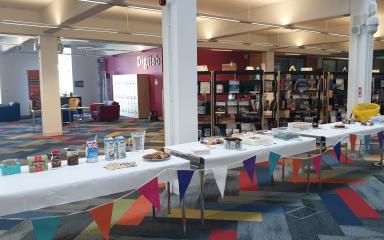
317	163
151	191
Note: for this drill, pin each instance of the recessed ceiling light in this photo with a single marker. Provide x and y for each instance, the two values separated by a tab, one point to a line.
94	1
219	18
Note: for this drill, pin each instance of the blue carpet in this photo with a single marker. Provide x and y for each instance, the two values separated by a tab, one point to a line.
263	208
339	210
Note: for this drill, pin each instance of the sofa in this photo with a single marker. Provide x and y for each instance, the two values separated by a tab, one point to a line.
107	111
10	112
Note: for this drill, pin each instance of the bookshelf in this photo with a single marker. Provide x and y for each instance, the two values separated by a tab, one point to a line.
270	106
300	96
378	90
336	90
237	101
204	99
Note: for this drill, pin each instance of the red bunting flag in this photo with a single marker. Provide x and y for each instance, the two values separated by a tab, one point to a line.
317	163
296	165
151	191
352	140
103	216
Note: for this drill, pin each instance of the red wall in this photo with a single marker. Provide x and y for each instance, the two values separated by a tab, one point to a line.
214	59
127	64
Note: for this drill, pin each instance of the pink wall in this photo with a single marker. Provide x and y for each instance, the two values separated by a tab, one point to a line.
127	64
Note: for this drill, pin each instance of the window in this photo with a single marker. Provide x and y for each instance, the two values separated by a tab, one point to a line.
65	72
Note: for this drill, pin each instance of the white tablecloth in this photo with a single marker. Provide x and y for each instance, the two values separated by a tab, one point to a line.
334	135
219	156
30	191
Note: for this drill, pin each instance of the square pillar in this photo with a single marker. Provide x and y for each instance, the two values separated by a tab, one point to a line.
49	86
268	58
180	71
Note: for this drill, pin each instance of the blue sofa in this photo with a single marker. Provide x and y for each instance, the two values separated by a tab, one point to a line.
10	112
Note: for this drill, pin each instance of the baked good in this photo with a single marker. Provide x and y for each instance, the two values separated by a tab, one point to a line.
157	156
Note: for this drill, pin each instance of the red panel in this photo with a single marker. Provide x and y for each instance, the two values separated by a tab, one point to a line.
223	235
246	184
357	204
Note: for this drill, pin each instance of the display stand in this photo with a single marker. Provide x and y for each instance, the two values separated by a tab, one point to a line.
336	90
378	90
270	100
205	107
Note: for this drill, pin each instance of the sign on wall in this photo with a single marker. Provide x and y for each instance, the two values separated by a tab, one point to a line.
79	83
34	88
146	62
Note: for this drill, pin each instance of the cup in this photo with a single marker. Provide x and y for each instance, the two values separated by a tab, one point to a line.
138	139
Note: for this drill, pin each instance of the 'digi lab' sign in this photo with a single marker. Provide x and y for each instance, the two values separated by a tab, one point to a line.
145	62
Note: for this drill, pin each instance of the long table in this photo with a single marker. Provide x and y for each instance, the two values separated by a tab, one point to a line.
219	156
31	191
328	136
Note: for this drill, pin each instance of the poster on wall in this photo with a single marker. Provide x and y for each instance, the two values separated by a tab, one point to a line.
34	88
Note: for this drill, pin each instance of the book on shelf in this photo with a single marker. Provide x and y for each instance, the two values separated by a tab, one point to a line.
243	107
268	86
340	84
234	86
312	84
201	109
232	107
255	105
273	105
219	88
266	105
220	107
301	85
205	88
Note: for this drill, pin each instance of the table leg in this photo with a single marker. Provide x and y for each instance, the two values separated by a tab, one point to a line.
33	122
153	212
308	173
202	194
283	170
346	153
184	219
381	156
169	196
322	144
360	147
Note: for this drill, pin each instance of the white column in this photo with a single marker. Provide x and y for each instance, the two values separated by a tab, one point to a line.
268	58
180	71
363	26
49	86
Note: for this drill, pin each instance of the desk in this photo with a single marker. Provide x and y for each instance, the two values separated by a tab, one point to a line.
219	156
30	191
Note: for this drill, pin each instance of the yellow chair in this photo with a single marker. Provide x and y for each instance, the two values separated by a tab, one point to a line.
364	111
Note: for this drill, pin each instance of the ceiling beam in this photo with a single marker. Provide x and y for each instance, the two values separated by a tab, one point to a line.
67	13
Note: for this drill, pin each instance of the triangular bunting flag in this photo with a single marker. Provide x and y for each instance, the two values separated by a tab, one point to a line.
337	149
367	138
317	163
296	165
249	166
220	175
273	159
151	191
184	177
45	228
352	140
380	136
103	216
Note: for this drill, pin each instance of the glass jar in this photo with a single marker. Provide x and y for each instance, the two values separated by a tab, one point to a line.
55	159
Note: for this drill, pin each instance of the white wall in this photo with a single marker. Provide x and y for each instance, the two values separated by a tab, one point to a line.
85	68
13	77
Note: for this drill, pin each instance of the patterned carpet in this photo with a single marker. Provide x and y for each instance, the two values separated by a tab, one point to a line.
350	205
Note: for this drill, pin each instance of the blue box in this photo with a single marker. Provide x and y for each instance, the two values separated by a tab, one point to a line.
10	169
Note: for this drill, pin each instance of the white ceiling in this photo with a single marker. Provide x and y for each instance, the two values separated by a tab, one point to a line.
26	4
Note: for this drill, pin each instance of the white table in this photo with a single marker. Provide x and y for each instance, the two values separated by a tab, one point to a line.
335	135
219	156
30	191
330	136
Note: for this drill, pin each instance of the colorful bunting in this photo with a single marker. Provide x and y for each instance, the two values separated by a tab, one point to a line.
380	136
337	149
296	165
151	191
317	163
45	228
103	216
367	138
273	159
352	140
249	166
184	177
220	175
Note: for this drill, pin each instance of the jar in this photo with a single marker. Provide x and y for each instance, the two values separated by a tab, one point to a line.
55	159
72	157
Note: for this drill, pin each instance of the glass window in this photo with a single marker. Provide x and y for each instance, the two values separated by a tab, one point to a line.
65	72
